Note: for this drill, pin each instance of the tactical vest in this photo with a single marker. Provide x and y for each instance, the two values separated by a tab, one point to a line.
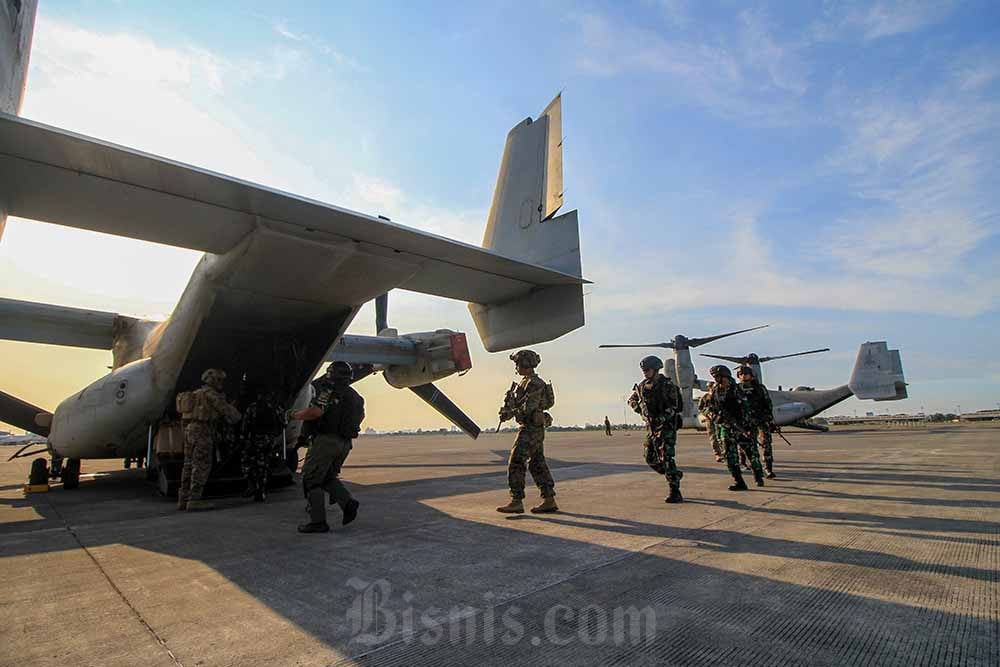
654	403
343	414
185	405
203	410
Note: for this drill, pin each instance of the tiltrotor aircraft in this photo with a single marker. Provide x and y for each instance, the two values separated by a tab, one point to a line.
754	361
281	279
878	375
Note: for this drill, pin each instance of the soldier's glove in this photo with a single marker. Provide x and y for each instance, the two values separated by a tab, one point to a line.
505	414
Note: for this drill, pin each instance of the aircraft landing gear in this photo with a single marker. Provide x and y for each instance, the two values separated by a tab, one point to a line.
56	467
71	474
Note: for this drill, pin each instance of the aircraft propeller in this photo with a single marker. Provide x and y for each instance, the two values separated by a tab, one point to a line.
429	393
680	342
754	359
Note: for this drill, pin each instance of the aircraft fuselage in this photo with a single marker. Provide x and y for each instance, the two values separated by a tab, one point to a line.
270	309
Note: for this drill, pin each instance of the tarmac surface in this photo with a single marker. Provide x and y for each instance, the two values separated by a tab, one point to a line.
873	547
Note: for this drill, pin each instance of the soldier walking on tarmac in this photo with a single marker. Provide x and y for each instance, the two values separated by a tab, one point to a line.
660	403
337	421
713	434
209	408
761	414
526	402
729	411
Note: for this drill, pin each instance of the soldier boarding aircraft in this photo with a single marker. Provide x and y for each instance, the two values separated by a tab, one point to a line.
281	279
878	376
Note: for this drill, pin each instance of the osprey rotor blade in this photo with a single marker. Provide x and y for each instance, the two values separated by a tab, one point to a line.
695	342
735	360
668	346
437	400
797	354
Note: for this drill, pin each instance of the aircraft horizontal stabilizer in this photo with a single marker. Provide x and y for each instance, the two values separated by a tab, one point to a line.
878	373
56	176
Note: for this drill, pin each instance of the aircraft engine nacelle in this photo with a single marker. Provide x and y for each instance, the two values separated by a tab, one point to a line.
439	354
109	418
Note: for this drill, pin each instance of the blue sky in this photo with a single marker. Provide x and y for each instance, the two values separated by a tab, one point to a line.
830	169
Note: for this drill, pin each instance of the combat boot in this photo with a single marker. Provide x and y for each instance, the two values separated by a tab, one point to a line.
675	496
758	478
739	484
199	505
547	505
182	504
311	527
770	473
515	506
350	511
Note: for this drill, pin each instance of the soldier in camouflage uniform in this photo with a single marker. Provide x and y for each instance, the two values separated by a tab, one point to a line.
759	400
210	408
730	412
526	402
660	403
713	434
262	425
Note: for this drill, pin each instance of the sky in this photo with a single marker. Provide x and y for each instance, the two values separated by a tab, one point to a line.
830	169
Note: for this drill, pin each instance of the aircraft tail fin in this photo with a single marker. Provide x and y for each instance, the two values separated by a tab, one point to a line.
522	225
878	373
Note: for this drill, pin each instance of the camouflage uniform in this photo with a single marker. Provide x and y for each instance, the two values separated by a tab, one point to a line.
210	407
525	402
713	433
659	401
729	410
761	417
262	425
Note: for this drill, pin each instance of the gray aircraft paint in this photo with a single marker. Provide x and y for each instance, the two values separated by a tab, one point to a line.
17	22
244	311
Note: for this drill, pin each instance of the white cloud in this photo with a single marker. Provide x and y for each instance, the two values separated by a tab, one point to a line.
316	44
748	74
895	17
761	275
878	20
377	196
907	246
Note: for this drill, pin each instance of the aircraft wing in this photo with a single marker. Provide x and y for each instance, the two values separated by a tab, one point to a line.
56	325
56	176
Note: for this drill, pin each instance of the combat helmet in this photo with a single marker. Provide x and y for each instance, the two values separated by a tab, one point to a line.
340	371
527	358
720	371
214	377
652	361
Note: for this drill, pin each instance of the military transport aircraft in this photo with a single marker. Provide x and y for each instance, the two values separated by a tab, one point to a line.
281	279
878	375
